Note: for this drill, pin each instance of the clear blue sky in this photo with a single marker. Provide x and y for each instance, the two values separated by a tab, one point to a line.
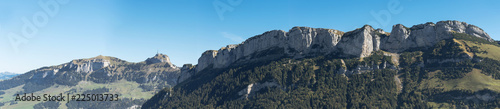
134	30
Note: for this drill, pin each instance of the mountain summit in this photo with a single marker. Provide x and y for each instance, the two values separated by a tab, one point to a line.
159	58
301	42
134	82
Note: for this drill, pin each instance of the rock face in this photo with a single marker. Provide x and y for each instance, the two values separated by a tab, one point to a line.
159	58
425	35
101	69
187	71
255	87
89	65
299	42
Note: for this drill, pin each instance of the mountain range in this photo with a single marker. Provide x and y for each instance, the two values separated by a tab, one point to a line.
433	65
448	64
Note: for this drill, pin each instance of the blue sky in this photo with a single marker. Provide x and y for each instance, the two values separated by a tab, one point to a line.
134	30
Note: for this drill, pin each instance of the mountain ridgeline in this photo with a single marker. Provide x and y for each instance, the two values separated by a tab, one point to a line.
449	64
133	82
302	42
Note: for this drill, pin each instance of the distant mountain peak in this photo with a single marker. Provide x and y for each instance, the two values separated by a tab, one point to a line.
159	58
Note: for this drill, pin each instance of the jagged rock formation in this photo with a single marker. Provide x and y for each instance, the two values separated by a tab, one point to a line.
361	42
426	35
159	58
305	41
298	42
101	69
89	65
251	89
187	71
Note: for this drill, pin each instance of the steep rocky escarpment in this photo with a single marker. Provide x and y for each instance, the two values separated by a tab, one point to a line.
300	42
100	69
135	82
449	64
187	71
361	42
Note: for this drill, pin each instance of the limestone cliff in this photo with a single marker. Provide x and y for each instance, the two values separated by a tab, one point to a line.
159	58
300	42
100	69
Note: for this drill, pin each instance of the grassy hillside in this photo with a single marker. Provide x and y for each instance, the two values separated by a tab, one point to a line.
485	50
473	81
480	47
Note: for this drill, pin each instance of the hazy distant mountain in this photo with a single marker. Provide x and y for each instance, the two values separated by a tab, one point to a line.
7	75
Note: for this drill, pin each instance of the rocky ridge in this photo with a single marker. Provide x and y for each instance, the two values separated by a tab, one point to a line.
299	42
134	80
159	58
101	69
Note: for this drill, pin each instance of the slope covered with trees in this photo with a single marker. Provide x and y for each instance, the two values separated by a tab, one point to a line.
452	74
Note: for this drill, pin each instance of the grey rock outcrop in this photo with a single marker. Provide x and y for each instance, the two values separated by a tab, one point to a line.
89	65
206	58
361	42
298	42
159	58
187	71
